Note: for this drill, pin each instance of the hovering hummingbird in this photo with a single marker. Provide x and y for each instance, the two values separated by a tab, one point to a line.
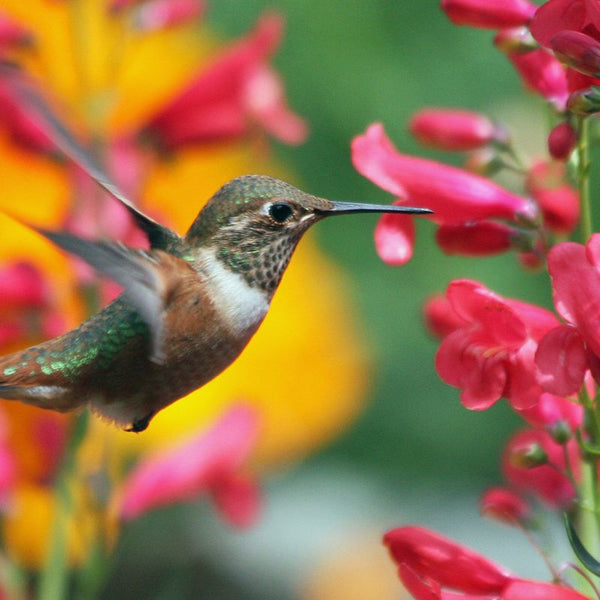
190	304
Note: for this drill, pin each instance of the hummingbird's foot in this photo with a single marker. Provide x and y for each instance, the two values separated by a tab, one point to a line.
140	425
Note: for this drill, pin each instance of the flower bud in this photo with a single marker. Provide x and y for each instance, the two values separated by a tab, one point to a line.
561	432
528	456
584	102
454	130
504	505
515	40
489	14
485	161
578	50
561	141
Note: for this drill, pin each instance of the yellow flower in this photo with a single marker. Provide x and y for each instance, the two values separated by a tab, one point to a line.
305	370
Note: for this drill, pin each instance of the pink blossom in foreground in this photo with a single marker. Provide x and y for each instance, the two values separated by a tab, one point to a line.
492	354
504	505
433	556
223	100
562	141
557	199
567	351
453	129
433	567
492	14
545	480
208	463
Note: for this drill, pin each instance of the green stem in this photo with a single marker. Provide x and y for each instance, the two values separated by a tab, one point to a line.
583	178
53	578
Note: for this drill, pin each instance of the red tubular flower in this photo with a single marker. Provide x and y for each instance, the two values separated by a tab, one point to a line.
522	589
479	238
440	318
545	481
492	354
515	40
450	129
161	14
504	505
578	50
453	194
561	141
491	14
559	202
431	556
566	351
209	462
556	16
543	74
223	100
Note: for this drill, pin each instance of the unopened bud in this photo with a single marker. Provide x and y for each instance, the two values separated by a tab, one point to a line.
516	40
584	102
505	506
529	456
561	141
485	161
560	431
577	50
478	238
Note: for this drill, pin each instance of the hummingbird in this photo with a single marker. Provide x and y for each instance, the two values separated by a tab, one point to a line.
190	304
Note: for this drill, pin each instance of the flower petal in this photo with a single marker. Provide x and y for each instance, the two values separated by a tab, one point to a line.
395	238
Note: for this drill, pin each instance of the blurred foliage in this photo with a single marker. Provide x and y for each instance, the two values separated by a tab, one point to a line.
348	63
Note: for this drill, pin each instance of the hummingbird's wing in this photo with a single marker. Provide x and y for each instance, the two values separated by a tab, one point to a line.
144	276
26	93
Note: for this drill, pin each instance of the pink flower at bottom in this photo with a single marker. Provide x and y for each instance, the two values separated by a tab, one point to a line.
207	463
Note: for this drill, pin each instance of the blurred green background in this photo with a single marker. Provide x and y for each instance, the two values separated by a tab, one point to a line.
415	453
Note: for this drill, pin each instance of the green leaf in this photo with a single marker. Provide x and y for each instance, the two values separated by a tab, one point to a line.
588	561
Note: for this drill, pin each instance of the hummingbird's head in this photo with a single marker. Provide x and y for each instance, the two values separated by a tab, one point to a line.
254	223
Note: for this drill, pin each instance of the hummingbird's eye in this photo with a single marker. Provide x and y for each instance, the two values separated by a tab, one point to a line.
280	212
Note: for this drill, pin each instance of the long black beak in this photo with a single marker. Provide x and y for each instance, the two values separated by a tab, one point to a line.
342	208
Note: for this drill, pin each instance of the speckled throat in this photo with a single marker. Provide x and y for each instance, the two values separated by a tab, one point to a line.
258	252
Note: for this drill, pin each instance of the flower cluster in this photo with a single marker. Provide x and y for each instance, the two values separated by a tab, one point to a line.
545	364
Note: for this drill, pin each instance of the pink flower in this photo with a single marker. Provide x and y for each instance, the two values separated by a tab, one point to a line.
522	589
556	16
559	202
492	14
543	74
161	14
551	411
431	556
567	351
578	50
440	318
207	463
504	505
455	195
223	101
23	287
561	141
477	238
448	129
541	477
492	354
